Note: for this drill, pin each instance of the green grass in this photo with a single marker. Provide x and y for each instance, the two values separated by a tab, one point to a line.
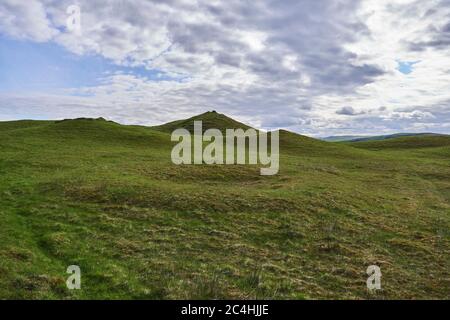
106	197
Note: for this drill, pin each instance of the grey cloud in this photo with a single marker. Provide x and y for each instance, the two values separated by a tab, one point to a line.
228	59
437	36
315	31
25	20
348	111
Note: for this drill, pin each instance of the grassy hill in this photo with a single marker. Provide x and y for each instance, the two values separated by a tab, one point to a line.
106	197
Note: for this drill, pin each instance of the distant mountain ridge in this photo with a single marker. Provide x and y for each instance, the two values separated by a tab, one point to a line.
376	138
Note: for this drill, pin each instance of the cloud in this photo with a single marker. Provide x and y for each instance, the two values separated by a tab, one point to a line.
416	115
348	111
26	20
290	64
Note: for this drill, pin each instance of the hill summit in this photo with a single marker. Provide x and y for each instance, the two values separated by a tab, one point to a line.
210	120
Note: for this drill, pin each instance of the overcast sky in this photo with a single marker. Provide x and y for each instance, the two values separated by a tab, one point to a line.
316	67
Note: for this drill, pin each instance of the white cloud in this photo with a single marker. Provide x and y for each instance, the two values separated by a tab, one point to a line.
26	20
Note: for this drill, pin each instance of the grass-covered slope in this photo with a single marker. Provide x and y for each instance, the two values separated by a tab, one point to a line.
341	138
21	124
106	197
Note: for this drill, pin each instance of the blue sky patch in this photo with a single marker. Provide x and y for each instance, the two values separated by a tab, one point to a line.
27	66
406	67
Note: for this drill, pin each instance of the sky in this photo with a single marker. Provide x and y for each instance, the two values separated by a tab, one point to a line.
320	68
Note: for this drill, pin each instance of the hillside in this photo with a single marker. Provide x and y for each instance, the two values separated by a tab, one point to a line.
106	197
341	138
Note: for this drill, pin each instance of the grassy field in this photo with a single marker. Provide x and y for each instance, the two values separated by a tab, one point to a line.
107	197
